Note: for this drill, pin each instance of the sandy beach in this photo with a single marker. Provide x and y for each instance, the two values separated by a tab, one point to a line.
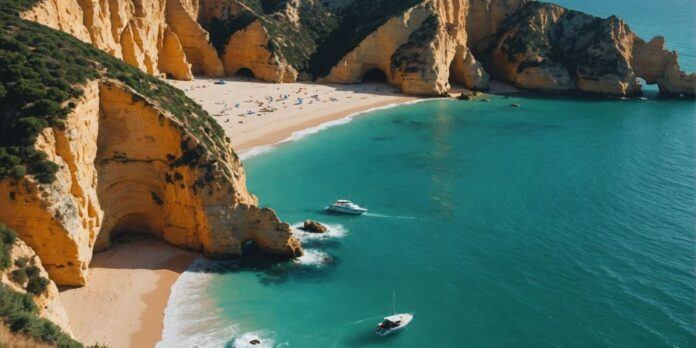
123	303
256	113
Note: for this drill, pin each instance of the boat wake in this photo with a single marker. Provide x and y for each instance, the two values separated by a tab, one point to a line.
333	231
191	319
313	257
366	319
255	339
389	216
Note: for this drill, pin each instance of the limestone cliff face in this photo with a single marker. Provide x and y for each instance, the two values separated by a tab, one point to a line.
157	36
376	50
181	17
48	302
258	57
422	46
128	166
546	47
485	18
252	35
427	47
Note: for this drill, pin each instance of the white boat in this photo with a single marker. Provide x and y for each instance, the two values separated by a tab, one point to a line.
345	206
394	323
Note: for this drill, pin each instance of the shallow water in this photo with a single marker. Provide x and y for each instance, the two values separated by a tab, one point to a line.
560	223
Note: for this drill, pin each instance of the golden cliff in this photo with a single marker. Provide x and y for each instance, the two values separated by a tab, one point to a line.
546	47
127	165
157	36
420	46
425	48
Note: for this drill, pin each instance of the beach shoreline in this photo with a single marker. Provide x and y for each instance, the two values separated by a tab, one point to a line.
255	114
131	282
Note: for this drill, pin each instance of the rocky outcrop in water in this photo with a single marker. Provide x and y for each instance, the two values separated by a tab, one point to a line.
546	47
313	226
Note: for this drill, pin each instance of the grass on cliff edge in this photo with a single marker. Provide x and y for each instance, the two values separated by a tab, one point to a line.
41	70
19	312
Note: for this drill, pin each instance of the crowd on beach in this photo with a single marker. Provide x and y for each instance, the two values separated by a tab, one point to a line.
258	105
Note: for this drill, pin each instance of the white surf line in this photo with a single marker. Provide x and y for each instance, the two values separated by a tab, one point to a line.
191	318
297	135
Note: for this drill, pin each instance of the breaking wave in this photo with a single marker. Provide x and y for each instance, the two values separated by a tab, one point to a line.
191	319
255	339
255	151
313	257
333	231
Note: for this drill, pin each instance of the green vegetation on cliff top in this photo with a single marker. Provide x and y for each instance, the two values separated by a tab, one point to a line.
41	71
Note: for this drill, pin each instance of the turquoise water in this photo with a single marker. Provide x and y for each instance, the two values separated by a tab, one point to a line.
566	222
560	223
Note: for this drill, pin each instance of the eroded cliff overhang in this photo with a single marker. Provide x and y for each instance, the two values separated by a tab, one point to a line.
128	166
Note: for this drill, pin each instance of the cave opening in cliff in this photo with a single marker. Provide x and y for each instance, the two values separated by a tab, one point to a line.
374	75
455	74
245	72
135	223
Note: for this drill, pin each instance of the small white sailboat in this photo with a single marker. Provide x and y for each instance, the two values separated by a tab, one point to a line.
345	206
394	323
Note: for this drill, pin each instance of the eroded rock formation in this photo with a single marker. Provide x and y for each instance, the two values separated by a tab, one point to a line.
425	48
421	46
127	165
264	64
157	36
546	47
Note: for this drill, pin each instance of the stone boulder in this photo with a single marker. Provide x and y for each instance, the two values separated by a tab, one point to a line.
313	227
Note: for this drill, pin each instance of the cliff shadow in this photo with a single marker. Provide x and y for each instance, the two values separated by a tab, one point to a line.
142	251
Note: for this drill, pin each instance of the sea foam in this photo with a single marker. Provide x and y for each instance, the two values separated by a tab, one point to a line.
191	319
313	257
264	337
332	231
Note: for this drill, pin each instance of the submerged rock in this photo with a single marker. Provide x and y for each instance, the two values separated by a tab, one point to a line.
313	227
466	95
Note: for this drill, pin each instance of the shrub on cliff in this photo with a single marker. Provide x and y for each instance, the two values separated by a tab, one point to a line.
7	238
19	313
